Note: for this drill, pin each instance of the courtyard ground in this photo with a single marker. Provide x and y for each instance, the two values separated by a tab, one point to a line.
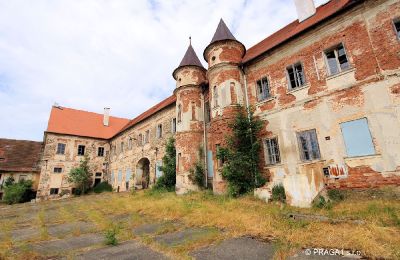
157	225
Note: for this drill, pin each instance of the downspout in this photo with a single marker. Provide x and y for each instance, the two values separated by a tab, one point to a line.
204	135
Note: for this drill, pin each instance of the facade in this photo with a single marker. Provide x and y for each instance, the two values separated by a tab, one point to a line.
20	160
326	86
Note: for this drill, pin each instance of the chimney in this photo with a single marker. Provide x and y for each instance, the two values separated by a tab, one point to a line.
106	117
305	9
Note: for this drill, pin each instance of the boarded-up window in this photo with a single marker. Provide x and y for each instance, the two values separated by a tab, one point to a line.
357	138
272	151
308	145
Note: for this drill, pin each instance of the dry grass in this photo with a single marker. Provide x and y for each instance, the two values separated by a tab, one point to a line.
379	236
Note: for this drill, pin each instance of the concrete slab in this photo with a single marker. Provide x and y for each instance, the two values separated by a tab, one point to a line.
69	228
184	236
25	234
153	228
128	250
69	244
243	248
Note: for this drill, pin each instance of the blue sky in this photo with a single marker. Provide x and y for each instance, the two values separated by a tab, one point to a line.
91	54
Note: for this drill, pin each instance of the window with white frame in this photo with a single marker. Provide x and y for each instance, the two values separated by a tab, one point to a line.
159	130
296	76
60	148
396	24
263	91
272	151
308	145
336	60
357	138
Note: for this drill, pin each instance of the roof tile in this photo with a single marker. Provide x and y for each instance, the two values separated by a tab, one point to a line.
19	155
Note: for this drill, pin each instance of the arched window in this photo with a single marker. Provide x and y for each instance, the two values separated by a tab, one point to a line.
179	113
215	96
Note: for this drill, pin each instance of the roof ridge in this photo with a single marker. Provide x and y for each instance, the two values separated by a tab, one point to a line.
21	140
81	110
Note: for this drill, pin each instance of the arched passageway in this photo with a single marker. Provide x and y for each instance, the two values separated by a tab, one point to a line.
143	173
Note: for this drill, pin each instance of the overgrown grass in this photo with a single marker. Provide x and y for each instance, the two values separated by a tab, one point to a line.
379	236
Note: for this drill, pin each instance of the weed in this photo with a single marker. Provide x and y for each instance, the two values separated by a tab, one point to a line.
111	236
335	195
278	193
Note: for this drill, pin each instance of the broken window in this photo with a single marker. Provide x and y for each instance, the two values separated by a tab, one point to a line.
357	138
396	24
159	130
100	151
173	127
263	91
308	145
60	148
336	60
215	96
57	170
179	113
296	76
272	151
81	150
53	191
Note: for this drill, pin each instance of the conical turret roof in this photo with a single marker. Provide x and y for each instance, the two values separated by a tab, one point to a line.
222	34
189	59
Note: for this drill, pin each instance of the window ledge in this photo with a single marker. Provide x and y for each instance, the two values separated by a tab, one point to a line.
349	70
298	89
259	103
268	166
371	156
303	163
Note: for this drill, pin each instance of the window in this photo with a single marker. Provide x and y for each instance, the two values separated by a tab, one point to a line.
98	174
357	138
272	151
179	161
159	130
308	144
147	137
122	147
140	140
60	148
220	161
173	125
179	113
57	170
130	143
53	191
100	151
296	76
208	112
215	96
81	150
263	89
336	60
396	24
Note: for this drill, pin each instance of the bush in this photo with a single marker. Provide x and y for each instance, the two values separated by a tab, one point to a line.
278	193
321	203
197	173
81	175
102	187
18	192
335	195
168	179
111	236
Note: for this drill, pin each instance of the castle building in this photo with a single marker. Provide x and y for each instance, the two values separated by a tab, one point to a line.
326	86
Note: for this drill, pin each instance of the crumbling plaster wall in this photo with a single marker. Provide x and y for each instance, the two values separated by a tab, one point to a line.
368	89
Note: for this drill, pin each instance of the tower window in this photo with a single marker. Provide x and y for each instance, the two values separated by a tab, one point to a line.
215	96
336	60
296	76
263	91
179	113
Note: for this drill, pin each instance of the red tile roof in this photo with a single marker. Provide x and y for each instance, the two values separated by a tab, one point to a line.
163	104
323	12
19	155
82	123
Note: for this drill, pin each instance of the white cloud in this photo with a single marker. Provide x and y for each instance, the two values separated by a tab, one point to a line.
88	54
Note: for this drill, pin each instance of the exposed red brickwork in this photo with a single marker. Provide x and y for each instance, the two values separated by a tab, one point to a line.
350	96
312	104
231	54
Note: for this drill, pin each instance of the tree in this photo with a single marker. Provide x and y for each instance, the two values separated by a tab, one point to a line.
81	175
197	173
241	154
168	179
18	192
9	181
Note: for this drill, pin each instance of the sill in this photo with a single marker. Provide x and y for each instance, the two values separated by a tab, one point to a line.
268	166
298	89
371	156
310	162
344	72
265	100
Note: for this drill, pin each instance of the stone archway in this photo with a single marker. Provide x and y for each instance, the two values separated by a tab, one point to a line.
143	173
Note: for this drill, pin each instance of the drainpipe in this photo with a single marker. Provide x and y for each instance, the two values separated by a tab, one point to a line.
204	135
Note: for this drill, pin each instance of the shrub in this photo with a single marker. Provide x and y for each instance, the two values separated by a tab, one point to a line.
18	192
111	236
197	173
102	187
81	175
168	179
335	195
320	202
241	155
278	193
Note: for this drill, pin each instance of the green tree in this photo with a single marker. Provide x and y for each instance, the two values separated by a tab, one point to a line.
197	173
81	175
168	179
9	181
18	192
241	154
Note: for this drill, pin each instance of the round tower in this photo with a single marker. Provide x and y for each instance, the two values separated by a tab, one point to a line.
190	76
223	55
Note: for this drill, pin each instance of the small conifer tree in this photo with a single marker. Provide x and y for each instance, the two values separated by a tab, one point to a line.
241	154
168	179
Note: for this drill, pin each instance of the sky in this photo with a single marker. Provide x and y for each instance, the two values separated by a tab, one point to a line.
91	54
